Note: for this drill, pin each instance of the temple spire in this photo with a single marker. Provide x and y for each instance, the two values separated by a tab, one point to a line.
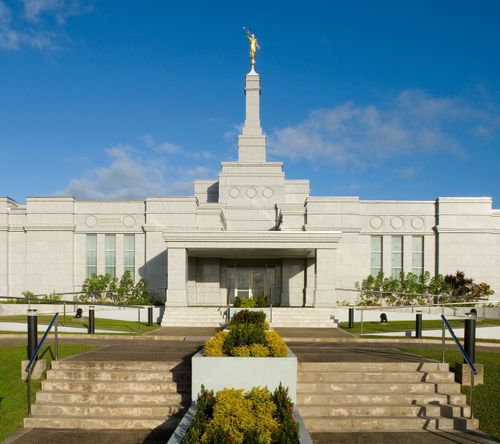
252	142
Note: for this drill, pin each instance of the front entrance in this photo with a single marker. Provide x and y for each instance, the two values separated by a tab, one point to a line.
252	282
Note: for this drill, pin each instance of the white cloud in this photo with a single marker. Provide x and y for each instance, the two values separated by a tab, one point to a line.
412	123
39	26
165	147
129	175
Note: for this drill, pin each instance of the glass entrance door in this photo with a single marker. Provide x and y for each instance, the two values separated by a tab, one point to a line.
252	282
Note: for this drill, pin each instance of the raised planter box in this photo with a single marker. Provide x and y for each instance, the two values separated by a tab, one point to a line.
218	373
180	431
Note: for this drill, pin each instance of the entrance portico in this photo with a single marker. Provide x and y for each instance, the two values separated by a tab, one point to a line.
212	268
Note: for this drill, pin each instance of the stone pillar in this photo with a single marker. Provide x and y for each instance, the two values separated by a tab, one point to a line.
177	266
252	142
293	282
310	281
326	268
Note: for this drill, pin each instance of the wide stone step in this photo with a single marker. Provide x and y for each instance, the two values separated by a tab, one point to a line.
104	398
98	423
122	411
119	365
118	375
385	423
373	366
378	399
113	386
311	410
377	387
305	376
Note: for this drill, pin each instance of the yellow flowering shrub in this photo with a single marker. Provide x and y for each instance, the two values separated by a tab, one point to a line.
213	347
237	416
241	351
275	344
259	350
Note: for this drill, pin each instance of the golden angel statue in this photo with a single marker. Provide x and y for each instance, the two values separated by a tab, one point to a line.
254	45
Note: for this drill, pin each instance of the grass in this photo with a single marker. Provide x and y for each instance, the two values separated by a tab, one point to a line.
435	324
100	323
487	395
13	391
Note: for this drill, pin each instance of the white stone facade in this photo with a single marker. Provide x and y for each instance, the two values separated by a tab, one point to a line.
251	232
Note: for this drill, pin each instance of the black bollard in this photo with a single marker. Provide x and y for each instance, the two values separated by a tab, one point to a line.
150	316
418	325
351	317
470	337
32	332
91	320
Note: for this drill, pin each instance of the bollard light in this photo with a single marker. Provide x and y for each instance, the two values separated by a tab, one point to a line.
91	330
470	336
418	324
351	317
32	332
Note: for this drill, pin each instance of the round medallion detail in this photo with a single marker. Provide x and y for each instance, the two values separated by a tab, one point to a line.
129	221
376	222
91	221
234	193
397	222
268	193
251	193
417	223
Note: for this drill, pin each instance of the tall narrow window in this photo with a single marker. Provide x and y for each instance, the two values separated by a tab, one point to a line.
110	254
91	254
376	255
129	254
397	256
418	255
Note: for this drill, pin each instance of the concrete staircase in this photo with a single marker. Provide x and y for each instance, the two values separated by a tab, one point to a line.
304	317
112	395
393	396
194	317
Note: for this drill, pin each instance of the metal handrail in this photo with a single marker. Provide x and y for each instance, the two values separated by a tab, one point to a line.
467	359
29	367
63	301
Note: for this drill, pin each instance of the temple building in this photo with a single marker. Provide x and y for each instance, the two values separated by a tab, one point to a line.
250	232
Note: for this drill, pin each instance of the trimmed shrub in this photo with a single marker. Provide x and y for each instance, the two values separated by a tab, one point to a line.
248	317
276	345
243	302
244	334
242	351
257	417
214	346
259	350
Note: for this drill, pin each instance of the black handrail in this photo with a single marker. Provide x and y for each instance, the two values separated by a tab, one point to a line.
467	358
29	367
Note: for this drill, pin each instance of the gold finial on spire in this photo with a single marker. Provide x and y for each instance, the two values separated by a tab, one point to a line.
254	45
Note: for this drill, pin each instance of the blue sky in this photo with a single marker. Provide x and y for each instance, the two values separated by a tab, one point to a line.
125	99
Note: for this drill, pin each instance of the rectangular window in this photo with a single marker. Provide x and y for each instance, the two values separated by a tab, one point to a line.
396	256
376	255
110	254
418	255
91	255
129	254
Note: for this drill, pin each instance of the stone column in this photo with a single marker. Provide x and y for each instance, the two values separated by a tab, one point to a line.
326	268
177	267
310	281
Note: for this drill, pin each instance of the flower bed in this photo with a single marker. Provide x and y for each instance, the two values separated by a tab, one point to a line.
233	416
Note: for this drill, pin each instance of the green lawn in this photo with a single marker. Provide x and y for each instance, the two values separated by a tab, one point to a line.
378	327
486	396
13	391
100	323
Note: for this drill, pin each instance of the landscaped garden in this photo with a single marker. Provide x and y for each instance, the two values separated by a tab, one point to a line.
403	326
486	396
100	323
13	391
